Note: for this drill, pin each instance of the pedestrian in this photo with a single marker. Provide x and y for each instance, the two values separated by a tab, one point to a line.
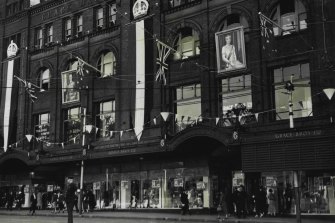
70	199
33	203
91	200
85	201
184	203
288	198
222	206
54	202
272	203
260	200
240	202
39	200
61	202
10	200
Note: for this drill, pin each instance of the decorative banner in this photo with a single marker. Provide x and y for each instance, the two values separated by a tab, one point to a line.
140	76
301	103
165	115
89	128
121	133
154	121
111	133
329	92
163	53
217	121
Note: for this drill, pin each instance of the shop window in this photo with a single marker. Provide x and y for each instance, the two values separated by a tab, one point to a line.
236	90
42	126
302	100
105	118
291	16
107	64
38	38
79	25
67	28
49	33
187	44
44	79
233	21
188	105
99	18
72	125
112	14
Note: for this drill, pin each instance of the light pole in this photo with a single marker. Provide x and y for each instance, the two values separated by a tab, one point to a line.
82	164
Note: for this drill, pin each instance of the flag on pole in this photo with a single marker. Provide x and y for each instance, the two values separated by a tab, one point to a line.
29	87
267	33
163	53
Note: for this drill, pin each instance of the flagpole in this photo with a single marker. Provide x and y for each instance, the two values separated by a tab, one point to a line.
23	81
87	64
270	20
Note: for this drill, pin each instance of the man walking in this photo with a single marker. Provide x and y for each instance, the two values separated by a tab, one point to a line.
70	199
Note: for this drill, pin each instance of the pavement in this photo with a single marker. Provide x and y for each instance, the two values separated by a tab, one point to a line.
175	217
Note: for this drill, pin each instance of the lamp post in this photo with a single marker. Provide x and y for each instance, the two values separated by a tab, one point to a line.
82	164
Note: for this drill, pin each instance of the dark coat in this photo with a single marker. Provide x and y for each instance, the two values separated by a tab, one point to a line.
71	193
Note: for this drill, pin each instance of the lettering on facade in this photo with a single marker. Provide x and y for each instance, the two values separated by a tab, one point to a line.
121	151
88	2
56	12
288	135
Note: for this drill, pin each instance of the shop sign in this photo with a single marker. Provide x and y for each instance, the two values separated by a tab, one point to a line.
26	189
238	178
178	182
50	188
156	184
271	181
42	132
289	135
201	185
124	184
96	185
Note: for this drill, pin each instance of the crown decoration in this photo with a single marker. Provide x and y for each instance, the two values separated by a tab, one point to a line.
12	49
140	8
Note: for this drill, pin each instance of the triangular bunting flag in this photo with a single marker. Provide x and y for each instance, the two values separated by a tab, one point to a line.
165	115
111	133
196	121
62	145
217	121
301	104
29	137
176	117
240	117
121	133
188	119
138	136
89	128
329	92
138	131
154	121
256	116
200	118
96	130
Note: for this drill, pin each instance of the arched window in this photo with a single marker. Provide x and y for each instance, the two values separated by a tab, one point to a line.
44	79
106	64
234	20
187	44
290	15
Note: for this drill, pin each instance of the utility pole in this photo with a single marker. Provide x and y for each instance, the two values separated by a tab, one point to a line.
290	88
82	164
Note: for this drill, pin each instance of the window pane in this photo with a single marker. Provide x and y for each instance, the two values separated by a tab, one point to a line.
247	81
188	92
224	83
236	83
305	73
179	93
278	75
288	71
198	90
190	108
230	100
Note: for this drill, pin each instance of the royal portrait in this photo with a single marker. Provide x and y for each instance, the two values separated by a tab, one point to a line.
69	91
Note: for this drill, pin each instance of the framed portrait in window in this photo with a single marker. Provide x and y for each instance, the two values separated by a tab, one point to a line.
230	50
69	91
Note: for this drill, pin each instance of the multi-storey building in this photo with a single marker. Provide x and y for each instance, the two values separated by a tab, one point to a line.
225	119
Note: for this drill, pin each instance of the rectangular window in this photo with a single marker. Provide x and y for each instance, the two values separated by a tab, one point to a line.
38	38
67	28
72	125
99	18
236	90
188	105
112	14
79	25
42	126
105	118
302	100
49	30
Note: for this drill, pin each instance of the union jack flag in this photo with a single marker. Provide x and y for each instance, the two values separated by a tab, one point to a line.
29	87
267	32
163	53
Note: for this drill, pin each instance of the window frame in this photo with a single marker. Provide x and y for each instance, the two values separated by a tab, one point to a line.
39	37
101	66
99	21
180	42
41	79
100	123
49	33
67	28
68	119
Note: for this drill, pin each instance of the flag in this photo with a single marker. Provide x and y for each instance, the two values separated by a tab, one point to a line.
267	33
29	87
163	53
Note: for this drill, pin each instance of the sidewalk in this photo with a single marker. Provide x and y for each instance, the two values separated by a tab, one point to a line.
173	216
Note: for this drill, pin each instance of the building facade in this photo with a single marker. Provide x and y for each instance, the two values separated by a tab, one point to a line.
218	116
